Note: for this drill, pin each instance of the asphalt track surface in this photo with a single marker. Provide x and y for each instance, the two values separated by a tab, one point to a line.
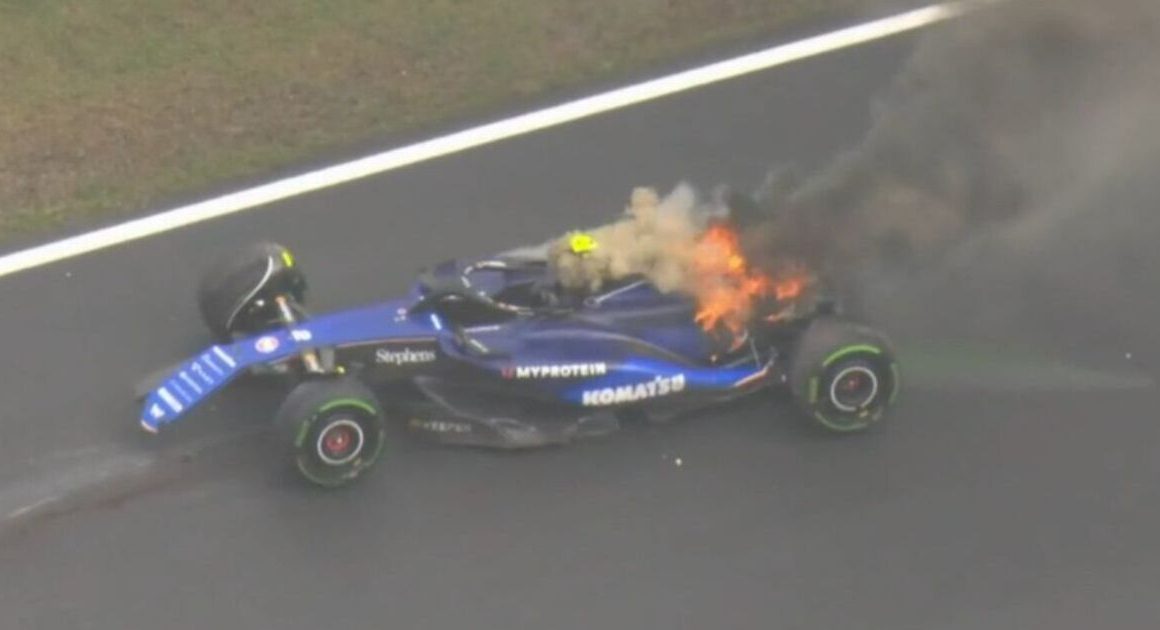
971	508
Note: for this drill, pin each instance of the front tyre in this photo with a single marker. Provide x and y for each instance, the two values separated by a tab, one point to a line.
844	375
335	429
237	294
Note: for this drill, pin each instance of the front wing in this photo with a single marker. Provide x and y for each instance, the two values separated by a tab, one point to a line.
195	380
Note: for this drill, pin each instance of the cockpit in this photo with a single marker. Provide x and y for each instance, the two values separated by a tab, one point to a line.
490	291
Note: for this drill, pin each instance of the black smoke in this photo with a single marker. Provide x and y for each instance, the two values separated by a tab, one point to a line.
1008	187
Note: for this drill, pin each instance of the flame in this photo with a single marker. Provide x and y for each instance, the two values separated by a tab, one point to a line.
727	286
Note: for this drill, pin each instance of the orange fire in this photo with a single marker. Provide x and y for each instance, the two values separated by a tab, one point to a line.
728	286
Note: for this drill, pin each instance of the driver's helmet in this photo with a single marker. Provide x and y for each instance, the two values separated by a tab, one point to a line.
582	243
568	276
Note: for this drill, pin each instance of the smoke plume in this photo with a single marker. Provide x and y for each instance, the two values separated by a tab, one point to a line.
1007	188
1008	184
654	238
681	244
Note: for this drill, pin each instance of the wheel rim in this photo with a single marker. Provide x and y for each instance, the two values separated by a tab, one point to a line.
853	388
340	442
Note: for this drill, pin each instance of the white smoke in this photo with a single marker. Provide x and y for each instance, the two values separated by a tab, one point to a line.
655	238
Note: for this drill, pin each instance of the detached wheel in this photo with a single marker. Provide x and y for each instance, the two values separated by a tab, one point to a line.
335	430
844	375
236	295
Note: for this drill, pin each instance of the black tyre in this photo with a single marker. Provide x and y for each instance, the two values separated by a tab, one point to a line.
335	429
236	295
844	375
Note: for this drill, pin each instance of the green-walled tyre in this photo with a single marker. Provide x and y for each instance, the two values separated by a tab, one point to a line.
335	430
844	375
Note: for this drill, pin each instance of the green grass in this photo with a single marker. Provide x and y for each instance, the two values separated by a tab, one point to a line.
108	107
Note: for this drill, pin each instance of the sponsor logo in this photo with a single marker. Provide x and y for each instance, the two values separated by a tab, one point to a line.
207	359
659	386
189	381
561	370
405	356
156	411
440	426
201	373
301	334
170	400
224	357
266	345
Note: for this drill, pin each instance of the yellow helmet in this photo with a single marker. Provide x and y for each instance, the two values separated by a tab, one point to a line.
581	243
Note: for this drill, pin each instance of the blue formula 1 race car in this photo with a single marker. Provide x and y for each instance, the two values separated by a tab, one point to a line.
493	353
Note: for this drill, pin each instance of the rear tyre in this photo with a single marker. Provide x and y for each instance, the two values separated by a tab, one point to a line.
844	375
236	295
335	429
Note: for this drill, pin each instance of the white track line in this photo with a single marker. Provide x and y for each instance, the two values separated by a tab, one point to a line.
478	136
